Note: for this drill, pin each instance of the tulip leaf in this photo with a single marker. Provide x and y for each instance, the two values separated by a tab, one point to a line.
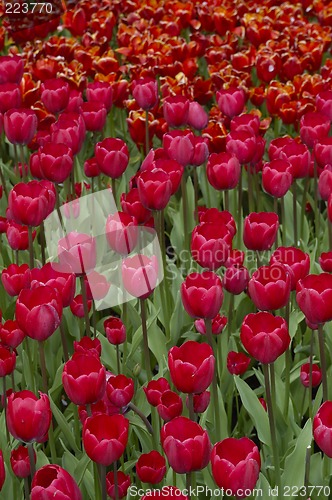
255	409
63	425
295	462
295	319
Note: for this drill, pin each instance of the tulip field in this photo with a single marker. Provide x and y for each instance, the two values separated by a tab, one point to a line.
166	249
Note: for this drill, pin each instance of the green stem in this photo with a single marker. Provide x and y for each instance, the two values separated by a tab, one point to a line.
185	212
323	361
270	406
31	460
146	350
138	412
116	485
85	306
24	176
283	220
4	391
191	407
239	211
26	489
102	470
250	191
31	257
195	194
316	207
310	374
188	484
226	200
295	214
114	190
42	243
43	365
147	138
118	364
307	468
64	341
288	361
215	399
304	201
329	224
275	209
3	182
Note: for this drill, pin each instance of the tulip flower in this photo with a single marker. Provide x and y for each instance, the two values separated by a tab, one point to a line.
15	278
235	465
314	127
277	177
231	101
176	110
154	189
322	429
202	295
316	375
151	467
155	389
119	390
145	92
295	261
10	97
115	331
20	125
314	296
269	287
88	346
200	401
19	461
76	251
170	406
121	232
264	336
325	261
222	218
237	363
105	438
17	236
218	324
180	146
64	282
7	361
29	203
324	103
11	69
51	481
223	171
55	94
84	379
53	162
260	230
99	91
11	335
197	116
2	470
325	183
38	312
70	130
235	279
191	366
123	483
140	275
323	152
187	446
112	155
241	144
28	418
131	204
210	245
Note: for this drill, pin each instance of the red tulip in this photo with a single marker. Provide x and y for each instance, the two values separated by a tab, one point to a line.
210	245
218	324
200	401
236	279
70	130
91	167
201	150
298	156
15	278
323	152
105	438
88	346
10	334
247	122
260	230
20	463
316	375
180	146
176	110
55	94
28	417
197	116
151	467
202	294
123	483
84	379
121	232
171	168
112	155
329	208
325	261
237	363
76	251
38	312
242	145
7	361
115	331
264	336
222	218
17	236
277	177
140	275
155	389
94	115
20	125
170	406
322	428
131	204
29	203
231	101
269	287
296	262
77	306
314	127
145	92
10	97
120	390
11	69
325	183
223	171
98	91
191	366
53	162
64	282
324	103
52	481
314	296
186	445
235	465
